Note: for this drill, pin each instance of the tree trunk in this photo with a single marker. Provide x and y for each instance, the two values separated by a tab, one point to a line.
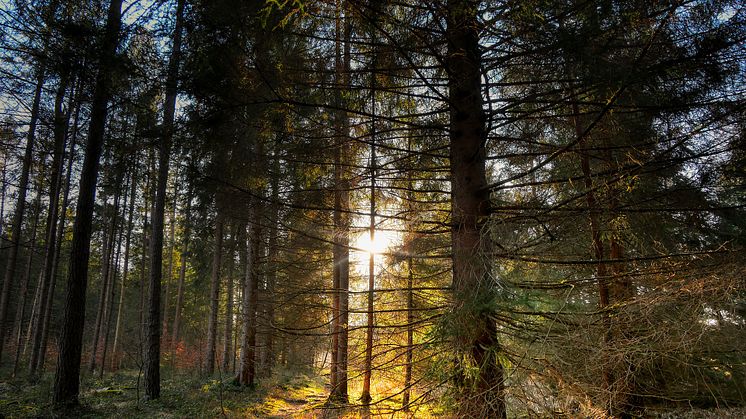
60	236
114	274
45	279
182	269
247	369
410	283
106	255
214	295
67	378
368	365
472	283
127	240
20	210
152	372
21	306
341	251
594	213
170	269
228	331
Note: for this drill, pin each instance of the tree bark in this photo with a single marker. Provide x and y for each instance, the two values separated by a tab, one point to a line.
45	279
60	234
20	210
127	241
170	268
66	385
109	239
182	269
151	369
214	295
23	291
247	369
477	334
228	331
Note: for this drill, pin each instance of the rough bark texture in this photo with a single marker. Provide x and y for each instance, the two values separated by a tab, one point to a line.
66	383
152	355
477	336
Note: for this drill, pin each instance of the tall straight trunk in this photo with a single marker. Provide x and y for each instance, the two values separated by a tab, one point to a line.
344	221
147	207
126	264
337	216
20	210
114	274
45	279
272	250
182	269
152	360
212	326
410	283
23	291
228	353
170	268
60	235
247	368
477	338
368	365
109	239
67	377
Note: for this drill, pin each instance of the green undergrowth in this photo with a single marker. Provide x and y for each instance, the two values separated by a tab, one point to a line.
286	394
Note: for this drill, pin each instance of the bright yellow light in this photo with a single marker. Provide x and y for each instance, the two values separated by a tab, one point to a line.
382	242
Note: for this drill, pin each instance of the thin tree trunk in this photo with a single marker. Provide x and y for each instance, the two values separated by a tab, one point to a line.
214	295
60	233
114	273
67	378
23	292
337	248
170	269
594	214
272	251
410	284
247	369
368	365
152	372
228	353
20	210
182	269
147	207
125	274
344	233
108	240
45	279
472	283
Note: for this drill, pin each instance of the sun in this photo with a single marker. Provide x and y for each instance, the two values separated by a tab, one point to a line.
382	242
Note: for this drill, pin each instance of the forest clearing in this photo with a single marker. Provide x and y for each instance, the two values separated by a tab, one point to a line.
373	208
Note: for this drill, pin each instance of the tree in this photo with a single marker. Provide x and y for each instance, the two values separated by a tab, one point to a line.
473	284
153	350
66	385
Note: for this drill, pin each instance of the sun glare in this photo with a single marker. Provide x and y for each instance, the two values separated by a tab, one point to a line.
382	242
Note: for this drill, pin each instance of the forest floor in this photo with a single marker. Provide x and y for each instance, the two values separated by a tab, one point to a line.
286	395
